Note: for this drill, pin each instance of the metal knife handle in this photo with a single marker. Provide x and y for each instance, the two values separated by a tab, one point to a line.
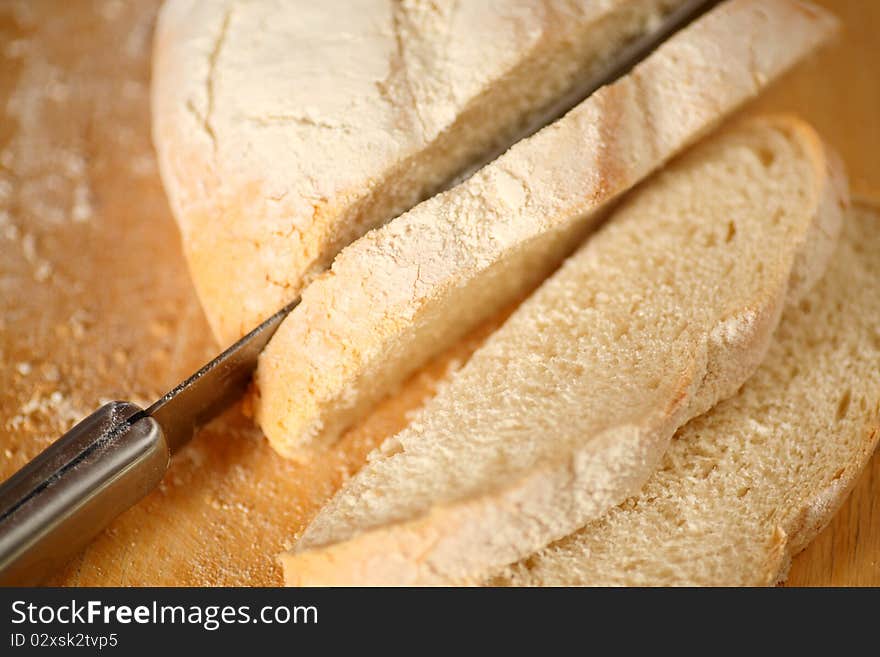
63	498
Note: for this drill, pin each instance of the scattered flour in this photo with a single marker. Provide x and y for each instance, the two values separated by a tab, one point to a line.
54	406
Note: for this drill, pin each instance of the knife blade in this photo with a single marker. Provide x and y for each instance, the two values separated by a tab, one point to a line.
219	382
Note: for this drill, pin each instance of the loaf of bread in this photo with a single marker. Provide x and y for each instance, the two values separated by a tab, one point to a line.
287	129
405	291
568	408
746	486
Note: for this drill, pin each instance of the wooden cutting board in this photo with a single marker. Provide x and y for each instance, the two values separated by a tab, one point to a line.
96	303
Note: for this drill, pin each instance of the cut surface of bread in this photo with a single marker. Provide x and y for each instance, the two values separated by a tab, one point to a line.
567	408
286	129
410	288
745	487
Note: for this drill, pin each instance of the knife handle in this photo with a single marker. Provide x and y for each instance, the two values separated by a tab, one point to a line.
65	496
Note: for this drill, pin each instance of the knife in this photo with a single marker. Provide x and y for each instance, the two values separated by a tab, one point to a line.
57	503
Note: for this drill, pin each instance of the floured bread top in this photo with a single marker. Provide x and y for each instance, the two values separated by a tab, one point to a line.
286	129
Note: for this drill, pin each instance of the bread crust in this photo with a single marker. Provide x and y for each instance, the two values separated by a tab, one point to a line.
277	150
813	516
807	522
405	291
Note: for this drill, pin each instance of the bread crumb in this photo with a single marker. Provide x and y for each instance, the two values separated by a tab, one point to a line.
29	247
51	373
82	204
55	407
79	323
42	272
10	230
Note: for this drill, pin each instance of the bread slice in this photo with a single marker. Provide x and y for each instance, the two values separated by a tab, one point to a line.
407	290
745	487
567	409
287	129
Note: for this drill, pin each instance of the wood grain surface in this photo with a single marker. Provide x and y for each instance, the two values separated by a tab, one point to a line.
96	303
